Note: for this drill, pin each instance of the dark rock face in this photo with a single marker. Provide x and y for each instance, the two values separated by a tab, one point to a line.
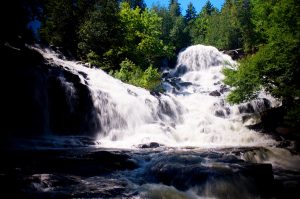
181	70
98	173
224	88
70	104
39	97
185	170
219	113
155	93
22	105
64	174
150	145
248	108
235	54
215	93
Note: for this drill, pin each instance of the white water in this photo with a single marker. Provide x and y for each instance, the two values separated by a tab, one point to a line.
184	116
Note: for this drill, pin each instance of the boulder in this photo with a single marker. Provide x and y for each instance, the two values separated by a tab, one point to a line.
246	108
251	119
151	145
219	113
215	93
224	88
187	170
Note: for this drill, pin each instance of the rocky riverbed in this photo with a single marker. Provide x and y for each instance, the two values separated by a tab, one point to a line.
146	172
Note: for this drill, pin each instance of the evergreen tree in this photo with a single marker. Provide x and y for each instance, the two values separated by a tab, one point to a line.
198	28
223	30
134	3
174	8
208	8
60	22
190	13
99	33
247	28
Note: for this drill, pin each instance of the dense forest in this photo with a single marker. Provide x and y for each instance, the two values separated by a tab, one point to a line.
132	42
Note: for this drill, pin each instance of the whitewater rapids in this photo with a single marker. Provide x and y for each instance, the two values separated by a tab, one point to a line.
192	112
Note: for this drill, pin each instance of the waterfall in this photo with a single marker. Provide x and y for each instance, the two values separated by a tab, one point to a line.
192	112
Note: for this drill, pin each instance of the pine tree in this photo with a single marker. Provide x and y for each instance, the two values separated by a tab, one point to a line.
208	8
100	32
134	3
190	12
174	8
59	24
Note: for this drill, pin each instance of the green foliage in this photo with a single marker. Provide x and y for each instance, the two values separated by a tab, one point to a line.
198	27
59	24
93	59
134	3
133	74
292	118
142	31
95	33
223	30
245	81
151	78
174	8
231	28
275	67
174	29
249	37
129	72
190	13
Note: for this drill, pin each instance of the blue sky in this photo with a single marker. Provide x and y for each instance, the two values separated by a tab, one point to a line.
198	4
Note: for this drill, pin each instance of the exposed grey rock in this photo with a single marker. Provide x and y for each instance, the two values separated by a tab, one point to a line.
215	93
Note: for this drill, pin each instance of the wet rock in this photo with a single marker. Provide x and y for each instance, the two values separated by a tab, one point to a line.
224	89
215	93
112	160
165	74
64	186
246	108
272	118
165	108
151	145
217	83
185	84
219	113
53	98
251	119
185	171
235	54
20	96
180	70
130	92
47	182
69	104
267	103
155	93
83	74
284	144
227	109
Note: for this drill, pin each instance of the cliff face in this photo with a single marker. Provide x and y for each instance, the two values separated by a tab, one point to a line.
39	98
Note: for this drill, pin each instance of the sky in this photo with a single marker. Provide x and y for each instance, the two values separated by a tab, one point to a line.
198	4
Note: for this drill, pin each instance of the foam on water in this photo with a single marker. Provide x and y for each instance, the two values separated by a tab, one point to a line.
186	115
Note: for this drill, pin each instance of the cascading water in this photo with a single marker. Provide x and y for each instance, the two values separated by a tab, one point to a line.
227	159
192	112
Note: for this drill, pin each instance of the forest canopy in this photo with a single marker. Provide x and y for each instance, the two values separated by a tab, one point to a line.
132	42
